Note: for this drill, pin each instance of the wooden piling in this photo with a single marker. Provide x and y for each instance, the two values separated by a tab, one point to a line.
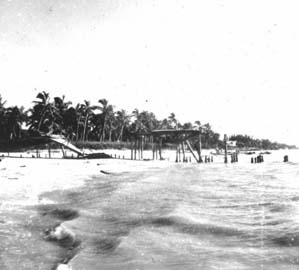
153	147
225	148
135	149
160	148
49	150
183	151
142	146
199	149
191	150
63	152
138	148
179	151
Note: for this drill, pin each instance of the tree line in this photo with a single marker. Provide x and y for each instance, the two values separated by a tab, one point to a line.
245	141
87	122
98	122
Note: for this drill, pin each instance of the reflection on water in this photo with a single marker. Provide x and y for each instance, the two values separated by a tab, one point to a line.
163	216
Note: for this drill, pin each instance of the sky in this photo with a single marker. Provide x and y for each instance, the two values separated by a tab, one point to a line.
231	63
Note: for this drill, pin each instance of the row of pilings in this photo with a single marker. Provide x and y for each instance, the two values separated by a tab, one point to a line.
257	159
138	144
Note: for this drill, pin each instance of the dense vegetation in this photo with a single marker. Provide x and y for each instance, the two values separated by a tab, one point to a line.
87	123
245	141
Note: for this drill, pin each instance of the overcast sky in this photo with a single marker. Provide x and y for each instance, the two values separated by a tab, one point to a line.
231	63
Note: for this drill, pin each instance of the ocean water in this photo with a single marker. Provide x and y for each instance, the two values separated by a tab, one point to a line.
116	214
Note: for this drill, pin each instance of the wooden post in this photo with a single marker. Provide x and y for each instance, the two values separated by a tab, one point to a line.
153	147
142	146
132	149
179	152
49	150
191	150
199	149
63	152
160	148
183	150
135	149
225	148
138	148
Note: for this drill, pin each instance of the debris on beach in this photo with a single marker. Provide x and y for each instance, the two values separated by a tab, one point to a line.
104	172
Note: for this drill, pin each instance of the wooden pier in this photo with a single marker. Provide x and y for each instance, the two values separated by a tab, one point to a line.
155	139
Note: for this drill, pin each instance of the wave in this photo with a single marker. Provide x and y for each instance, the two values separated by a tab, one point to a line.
106	245
178	223
184	226
61	214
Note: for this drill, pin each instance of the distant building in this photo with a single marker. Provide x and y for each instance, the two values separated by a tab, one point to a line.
232	144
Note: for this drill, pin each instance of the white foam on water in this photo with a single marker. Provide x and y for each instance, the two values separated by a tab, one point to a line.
63	267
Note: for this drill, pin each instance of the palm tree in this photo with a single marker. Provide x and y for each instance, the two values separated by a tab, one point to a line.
15	117
148	120
70	123
110	122
106	111
87	111
138	122
67	115
44	116
122	120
